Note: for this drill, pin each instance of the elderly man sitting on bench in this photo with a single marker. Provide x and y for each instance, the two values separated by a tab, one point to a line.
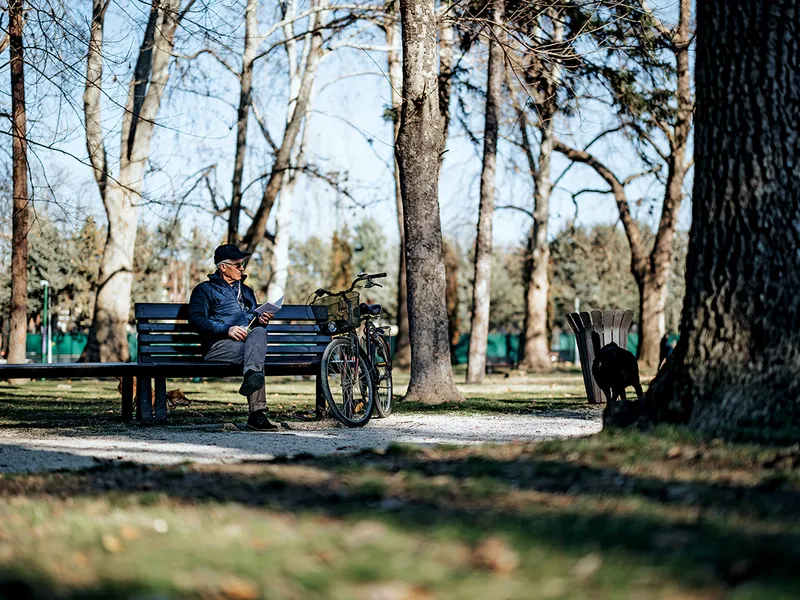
221	311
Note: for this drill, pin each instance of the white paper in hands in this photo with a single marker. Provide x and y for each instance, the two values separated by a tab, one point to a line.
267	307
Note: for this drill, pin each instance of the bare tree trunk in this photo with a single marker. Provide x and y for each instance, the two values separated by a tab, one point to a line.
108	336
737	362
21	215
653	282
246	86
419	145
257	230
481	290
451	265
402	356
446	42
535	346
280	250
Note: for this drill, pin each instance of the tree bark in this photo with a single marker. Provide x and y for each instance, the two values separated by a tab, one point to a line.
283	217
737	362
419	145
245	89
402	357
257	230
108	336
21	214
535	346
653	280
481	290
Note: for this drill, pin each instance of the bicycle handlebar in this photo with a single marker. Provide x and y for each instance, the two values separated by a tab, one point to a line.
362	277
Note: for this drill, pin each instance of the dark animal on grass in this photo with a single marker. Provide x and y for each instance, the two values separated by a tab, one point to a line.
614	369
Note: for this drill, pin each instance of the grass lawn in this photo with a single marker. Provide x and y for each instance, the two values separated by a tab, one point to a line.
617	515
82	403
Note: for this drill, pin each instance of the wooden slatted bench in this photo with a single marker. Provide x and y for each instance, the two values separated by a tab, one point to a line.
125	371
169	348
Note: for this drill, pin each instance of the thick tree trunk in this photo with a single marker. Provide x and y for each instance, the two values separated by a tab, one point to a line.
108	335
419	145
737	362
402	357
481	289
21	216
246	86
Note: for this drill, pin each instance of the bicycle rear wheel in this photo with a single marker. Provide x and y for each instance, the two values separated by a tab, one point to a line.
382	377
346	382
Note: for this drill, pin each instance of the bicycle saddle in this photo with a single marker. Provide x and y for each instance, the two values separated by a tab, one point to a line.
370	309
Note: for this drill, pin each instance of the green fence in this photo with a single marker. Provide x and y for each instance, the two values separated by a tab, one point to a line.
66	347
503	348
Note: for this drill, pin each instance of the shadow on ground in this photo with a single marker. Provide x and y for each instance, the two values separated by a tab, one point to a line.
699	533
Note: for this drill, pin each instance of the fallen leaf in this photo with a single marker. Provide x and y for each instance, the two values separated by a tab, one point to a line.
587	566
674	452
129	533
110	543
238	589
494	554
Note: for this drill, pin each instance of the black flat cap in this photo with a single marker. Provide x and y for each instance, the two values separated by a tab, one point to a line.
228	252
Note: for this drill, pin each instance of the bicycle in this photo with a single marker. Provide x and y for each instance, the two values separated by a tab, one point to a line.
348	360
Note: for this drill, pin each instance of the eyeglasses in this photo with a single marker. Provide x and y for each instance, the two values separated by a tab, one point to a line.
239	266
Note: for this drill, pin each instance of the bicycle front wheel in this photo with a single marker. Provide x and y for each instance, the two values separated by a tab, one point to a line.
346	382
382	377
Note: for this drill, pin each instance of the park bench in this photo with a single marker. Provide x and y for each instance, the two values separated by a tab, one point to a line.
168	348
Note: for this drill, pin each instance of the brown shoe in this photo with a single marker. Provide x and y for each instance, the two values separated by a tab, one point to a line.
258	421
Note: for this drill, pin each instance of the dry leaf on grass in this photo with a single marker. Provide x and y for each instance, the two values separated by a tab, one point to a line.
110	543
587	567
129	533
238	589
494	554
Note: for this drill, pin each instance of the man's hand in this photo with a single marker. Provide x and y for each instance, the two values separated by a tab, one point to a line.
237	333
264	318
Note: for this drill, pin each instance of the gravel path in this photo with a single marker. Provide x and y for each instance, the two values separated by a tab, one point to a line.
32	450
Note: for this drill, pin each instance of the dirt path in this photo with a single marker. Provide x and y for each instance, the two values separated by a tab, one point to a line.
31	450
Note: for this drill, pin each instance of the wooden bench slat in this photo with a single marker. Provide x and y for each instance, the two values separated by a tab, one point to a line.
193	338
142	310
282	327
150	349
174	370
199	364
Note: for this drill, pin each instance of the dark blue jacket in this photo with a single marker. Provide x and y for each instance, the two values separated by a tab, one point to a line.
214	308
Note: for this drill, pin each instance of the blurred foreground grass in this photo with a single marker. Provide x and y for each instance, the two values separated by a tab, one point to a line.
617	515
612	516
